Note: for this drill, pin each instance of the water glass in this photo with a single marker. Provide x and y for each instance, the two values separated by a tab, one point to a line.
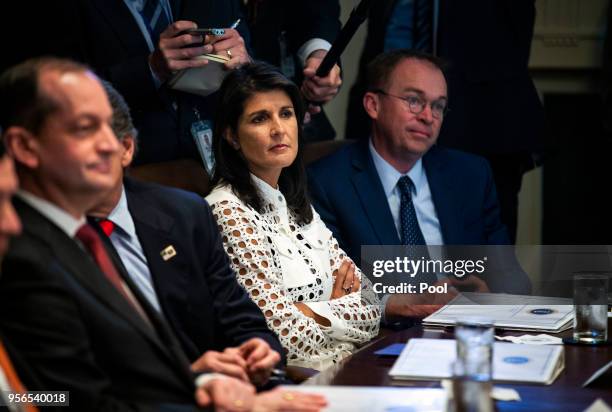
469	395
475	347
591	307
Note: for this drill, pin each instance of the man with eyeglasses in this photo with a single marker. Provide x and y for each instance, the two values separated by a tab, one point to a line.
398	187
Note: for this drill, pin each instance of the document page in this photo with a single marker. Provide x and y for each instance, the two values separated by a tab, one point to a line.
432	359
508	311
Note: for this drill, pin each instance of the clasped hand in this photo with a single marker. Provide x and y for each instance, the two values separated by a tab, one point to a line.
252	361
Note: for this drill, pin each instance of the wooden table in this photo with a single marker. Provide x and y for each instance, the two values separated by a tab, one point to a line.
565	394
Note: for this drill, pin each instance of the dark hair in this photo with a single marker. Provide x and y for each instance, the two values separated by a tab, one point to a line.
21	101
2	148
379	70
122	123
230	166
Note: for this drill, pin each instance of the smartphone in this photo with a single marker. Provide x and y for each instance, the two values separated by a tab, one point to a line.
203	32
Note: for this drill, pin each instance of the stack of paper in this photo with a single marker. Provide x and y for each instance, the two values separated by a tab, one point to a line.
378	399
201	80
431	359
513	312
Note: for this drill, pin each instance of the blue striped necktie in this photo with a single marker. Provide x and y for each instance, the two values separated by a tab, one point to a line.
155	17
423	25
409	225
411	233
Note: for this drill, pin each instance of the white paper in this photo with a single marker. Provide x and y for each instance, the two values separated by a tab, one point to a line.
377	399
541	339
431	359
498	393
511	312
203	80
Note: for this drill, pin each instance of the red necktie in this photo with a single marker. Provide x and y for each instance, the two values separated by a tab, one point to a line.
107	226
12	378
90	239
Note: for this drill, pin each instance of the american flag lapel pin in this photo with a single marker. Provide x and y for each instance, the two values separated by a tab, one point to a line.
168	252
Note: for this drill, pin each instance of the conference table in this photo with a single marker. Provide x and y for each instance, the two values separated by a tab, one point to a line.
364	368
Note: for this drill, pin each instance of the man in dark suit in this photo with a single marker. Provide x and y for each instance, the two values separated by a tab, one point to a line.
495	112
450	195
65	304
117	41
172	249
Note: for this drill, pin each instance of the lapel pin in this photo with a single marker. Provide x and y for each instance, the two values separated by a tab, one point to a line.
168	253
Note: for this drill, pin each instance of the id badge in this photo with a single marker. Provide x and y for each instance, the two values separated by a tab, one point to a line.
201	131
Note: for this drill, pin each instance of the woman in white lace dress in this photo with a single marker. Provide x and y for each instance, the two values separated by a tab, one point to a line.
310	292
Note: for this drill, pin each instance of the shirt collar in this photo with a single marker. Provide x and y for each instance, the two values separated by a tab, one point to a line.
268	193
54	213
389	175
121	216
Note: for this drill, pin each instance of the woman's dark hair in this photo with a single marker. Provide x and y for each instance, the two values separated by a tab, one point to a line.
230	166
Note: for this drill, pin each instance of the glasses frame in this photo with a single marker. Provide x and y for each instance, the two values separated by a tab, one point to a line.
424	103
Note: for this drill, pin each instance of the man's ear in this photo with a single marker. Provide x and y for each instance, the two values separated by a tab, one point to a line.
129	146
23	146
231	138
371	104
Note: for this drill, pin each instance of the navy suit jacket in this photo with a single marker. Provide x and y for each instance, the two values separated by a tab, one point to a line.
197	289
75	332
349	196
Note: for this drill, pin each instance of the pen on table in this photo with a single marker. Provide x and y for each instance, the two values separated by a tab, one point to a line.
236	23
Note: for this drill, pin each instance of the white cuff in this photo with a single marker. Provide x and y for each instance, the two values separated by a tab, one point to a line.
204	378
338	326
310	46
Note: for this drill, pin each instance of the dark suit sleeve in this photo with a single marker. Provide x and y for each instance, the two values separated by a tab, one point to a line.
312	19
48	329
238	316
324	207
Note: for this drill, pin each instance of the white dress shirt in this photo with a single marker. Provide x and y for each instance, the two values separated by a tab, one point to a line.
62	219
126	242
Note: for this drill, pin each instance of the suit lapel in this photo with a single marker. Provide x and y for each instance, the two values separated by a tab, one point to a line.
85	272
372	195
446	196
80	265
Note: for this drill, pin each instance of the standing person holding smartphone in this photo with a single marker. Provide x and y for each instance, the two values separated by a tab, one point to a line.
135	44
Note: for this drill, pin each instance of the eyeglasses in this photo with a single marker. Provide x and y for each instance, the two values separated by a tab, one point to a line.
416	105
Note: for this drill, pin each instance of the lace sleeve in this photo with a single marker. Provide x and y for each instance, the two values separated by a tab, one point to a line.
257	268
360	310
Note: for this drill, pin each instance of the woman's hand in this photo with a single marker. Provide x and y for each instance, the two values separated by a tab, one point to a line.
346	280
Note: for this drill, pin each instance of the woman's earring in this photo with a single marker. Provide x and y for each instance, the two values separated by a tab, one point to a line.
235	144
